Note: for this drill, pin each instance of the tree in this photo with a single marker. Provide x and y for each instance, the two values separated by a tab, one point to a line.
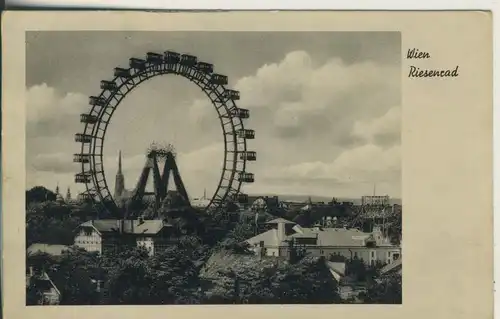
176	276
50	230
387	290
33	295
247	279
40	260
129	278
308	281
39	194
170	277
73	275
71	272
235	239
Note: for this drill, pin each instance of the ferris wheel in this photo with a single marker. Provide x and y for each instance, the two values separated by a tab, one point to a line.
125	80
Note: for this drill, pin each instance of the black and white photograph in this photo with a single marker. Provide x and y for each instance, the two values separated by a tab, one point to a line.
213	167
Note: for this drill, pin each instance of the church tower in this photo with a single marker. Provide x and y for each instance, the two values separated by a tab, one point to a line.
120	180
68	195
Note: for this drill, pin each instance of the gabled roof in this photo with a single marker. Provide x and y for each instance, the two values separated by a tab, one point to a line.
279	221
54	250
337	267
337	270
270	238
394	266
44	281
137	227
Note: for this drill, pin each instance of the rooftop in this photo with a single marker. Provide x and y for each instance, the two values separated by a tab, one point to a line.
137	227
337	269
334	236
54	250
394	266
279	221
270	238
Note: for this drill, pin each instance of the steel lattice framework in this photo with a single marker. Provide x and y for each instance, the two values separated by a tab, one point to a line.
125	80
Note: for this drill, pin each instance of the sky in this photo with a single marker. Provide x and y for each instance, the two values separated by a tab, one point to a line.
326	108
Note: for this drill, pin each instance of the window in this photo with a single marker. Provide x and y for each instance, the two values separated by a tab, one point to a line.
373	254
321	251
355	254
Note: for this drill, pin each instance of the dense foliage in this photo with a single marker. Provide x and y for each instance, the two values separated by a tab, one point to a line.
39	194
387	290
241	278
209	264
50	223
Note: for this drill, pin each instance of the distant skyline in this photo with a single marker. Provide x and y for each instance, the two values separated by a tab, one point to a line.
326	108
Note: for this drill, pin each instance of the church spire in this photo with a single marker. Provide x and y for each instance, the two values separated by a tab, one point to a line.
120	162
120	179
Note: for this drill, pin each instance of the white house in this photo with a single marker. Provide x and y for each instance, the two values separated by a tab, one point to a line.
107	234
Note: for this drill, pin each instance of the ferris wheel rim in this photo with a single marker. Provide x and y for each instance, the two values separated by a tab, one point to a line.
232	185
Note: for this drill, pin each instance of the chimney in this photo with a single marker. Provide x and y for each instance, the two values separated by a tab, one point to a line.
281	232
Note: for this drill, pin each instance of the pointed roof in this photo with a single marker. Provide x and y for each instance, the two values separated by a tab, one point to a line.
137	227
337	269
119	162
280	221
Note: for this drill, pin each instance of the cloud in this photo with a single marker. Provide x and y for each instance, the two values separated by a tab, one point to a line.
320	128
52	120
368	162
305	100
46	105
353	171
53	162
382	130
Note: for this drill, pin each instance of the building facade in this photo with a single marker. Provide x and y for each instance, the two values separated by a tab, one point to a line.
371	248
104	236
